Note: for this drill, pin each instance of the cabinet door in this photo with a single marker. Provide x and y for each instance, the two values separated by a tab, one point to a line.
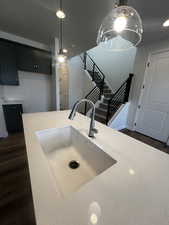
13	117
25	59
8	64
33	60
43	62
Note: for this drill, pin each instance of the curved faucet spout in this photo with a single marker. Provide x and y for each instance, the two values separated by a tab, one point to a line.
92	129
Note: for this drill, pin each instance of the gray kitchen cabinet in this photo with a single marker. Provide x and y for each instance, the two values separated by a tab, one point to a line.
8	64
33	60
15	56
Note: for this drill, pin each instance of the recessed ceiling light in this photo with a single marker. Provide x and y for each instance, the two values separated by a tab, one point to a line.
65	50
166	23
60	14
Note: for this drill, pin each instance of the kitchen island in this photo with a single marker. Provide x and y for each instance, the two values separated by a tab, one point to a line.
133	191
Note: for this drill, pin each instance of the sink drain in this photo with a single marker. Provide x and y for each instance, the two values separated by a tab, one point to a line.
74	164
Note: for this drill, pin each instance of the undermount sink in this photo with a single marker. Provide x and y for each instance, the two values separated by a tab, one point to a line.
73	158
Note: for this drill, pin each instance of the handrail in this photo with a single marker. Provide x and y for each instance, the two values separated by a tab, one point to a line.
90	96
95	64
90	92
97	75
120	93
123	84
120	96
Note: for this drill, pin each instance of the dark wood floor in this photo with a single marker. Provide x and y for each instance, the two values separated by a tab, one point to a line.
148	140
16	205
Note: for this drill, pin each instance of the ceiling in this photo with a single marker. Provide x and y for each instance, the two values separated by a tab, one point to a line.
36	20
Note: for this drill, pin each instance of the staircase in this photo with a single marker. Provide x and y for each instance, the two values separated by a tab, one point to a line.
109	101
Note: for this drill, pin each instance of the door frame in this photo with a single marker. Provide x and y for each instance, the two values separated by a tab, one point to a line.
150	54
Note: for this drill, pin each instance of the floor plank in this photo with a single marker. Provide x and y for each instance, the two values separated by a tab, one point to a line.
16	204
147	140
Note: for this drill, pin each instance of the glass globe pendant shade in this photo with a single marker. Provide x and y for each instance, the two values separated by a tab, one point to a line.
121	29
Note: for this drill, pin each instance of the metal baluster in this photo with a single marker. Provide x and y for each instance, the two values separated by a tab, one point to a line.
93	72
128	86
108	112
85	57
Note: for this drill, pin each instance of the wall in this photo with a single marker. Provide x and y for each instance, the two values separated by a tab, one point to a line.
139	70
1	91
21	40
34	90
79	82
3	132
64	85
119	120
116	65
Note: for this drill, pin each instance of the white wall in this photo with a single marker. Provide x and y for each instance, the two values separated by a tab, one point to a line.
1	92
119	120
79	82
34	90
116	65
3	132
139	70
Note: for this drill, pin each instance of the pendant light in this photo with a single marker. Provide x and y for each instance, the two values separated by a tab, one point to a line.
121	29
61	58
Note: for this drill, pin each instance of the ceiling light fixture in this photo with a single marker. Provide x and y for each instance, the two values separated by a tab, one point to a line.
166	23
61	58
120	23
65	50
121	29
60	14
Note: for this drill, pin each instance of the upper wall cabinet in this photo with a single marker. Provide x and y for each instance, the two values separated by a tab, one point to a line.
8	64
14	57
33	60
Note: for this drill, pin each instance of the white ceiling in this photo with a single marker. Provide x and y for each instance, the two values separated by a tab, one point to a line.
36	20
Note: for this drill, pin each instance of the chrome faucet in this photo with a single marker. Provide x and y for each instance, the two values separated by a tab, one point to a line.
92	129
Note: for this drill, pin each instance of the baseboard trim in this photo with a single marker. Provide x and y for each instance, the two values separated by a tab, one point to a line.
119	128
3	135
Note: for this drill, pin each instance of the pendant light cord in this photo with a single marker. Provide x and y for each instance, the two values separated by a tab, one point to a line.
61	29
61	34
61	6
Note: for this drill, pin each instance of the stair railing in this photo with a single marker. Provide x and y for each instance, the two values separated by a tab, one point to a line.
120	96
93	96
97	75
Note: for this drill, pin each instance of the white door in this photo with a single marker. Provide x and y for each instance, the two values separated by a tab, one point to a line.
153	113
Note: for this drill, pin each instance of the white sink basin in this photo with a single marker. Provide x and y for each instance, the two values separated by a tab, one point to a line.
73	159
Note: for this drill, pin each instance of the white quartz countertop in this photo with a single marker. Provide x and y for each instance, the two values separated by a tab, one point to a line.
134	191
